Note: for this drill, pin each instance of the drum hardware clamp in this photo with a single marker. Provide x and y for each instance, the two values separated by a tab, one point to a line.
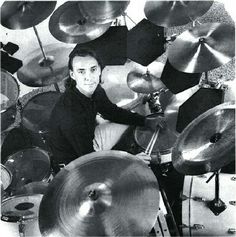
193	227
233	178
233	203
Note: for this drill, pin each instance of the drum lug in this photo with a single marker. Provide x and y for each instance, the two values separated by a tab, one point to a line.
233	203
232	230
233	178
194	227
197	199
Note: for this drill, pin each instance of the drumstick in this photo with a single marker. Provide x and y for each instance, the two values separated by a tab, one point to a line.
152	142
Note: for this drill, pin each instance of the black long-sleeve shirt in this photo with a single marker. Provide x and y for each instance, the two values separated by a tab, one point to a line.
73	122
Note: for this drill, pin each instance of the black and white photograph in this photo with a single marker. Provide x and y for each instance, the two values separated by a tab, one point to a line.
117	118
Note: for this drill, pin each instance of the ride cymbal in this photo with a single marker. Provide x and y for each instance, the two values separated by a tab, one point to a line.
143	80
203	48
207	143
107	193
69	25
25	14
175	13
38	72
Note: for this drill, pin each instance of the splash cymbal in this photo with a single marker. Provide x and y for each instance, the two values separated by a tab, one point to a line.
175	13
107	193
25	14
38	72
68	24
146	80
207	143
203	48
101	12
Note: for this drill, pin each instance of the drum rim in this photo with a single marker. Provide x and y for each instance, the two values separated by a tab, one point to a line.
17	86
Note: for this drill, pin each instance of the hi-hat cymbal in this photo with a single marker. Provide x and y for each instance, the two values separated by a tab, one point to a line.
38	72
146	80
101	12
25	14
175	13
69	25
207	143
203	48
107	193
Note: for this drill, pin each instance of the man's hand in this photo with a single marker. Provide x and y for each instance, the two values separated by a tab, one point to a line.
152	122
144	157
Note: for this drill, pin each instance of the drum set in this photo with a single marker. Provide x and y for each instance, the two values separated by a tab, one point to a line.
113	192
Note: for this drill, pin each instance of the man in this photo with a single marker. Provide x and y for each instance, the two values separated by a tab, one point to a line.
73	119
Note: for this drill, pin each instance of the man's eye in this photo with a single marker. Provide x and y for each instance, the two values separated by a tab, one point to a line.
94	69
81	72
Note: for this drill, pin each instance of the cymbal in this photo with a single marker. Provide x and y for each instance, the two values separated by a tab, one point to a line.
107	193
207	143
203	48
37	71
175	13
165	140
101	12
25	14
146	80
67	24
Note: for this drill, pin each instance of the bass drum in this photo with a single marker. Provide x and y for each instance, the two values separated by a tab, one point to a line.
197	218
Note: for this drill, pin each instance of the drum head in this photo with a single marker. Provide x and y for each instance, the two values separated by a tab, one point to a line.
6	177
36	113
115	84
9	90
28	165
22	206
8	118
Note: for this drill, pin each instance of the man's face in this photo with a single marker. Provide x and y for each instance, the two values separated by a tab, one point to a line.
86	72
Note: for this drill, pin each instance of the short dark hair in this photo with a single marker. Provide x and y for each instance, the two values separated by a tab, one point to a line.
81	52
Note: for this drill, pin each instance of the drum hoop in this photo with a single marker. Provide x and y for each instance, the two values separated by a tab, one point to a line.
16	83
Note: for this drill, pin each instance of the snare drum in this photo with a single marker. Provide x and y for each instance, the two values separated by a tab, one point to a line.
197	218
36	113
28	165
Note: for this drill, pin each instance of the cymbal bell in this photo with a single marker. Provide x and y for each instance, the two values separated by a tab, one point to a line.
107	193
175	13
101	12
25	14
38	72
146	80
207	143
203	48
68	24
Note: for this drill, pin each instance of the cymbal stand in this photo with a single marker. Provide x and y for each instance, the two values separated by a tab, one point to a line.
21	228
47	61
216	205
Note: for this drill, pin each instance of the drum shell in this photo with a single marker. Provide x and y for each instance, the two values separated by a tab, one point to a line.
195	210
8	118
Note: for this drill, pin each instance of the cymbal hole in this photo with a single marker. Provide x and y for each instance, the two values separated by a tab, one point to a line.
93	195
24	206
215	138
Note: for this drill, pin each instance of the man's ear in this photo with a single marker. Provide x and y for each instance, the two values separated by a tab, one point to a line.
71	74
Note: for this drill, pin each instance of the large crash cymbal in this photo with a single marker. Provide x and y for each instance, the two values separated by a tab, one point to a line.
38	72
207	143
146	80
203	48
67	24
107	193
24	14
175	13
101	12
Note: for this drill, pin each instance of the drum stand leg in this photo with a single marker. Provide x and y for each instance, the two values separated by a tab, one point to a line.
217	205
21	228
